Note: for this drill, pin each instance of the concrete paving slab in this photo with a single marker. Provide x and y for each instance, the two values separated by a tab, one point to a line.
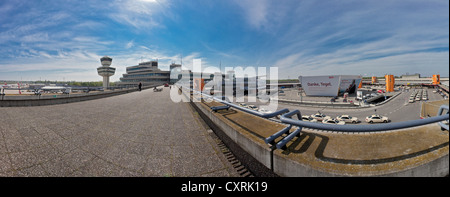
135	134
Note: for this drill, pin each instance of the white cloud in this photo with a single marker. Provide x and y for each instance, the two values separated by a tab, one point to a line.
363	37
256	12
301	37
141	14
426	63
129	44
266	15
149	1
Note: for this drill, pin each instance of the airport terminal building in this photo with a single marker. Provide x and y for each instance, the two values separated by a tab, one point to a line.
146	73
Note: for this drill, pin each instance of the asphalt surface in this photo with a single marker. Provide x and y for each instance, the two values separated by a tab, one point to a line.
136	134
397	110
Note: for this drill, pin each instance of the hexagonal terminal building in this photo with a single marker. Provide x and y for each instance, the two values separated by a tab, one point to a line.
106	71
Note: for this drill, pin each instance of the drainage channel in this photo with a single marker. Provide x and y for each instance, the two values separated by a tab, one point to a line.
243	162
237	165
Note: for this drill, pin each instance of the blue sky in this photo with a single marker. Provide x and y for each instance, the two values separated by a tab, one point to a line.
64	39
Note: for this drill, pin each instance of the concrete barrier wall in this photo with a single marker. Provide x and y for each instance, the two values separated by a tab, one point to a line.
286	167
431	108
436	168
36	101
254	157
289	168
262	154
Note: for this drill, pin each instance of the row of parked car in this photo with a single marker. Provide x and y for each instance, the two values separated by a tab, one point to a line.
253	107
342	119
320	117
441	93
418	95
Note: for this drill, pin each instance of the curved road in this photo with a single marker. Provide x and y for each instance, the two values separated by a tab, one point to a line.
136	134
398	109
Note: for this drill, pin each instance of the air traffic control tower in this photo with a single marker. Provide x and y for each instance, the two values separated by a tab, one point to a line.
106	71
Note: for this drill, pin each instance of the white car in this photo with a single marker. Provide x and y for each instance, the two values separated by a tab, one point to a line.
320	116
243	105
308	118
333	121
377	118
264	111
253	107
411	100
348	119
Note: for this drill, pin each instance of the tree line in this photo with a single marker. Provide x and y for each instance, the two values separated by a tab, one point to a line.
78	83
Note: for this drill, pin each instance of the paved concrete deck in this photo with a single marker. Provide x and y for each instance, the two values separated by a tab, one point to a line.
135	134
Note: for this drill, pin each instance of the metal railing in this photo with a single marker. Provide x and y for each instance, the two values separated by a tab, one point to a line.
287	119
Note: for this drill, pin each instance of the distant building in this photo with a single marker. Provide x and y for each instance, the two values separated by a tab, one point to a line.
173	66
146	73
175	70
414	76
330	85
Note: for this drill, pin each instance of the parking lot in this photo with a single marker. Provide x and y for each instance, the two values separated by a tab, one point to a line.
398	109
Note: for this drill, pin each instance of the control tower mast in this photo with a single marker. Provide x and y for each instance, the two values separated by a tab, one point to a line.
106	71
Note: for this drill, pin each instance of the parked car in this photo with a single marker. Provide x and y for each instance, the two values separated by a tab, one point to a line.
348	119
264	111
253	107
411	100
243	105
319	116
377	118
308	118
333	121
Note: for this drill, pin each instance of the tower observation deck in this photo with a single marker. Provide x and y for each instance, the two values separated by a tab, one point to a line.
106	70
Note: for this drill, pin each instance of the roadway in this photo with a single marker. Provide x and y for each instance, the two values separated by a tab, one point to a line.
135	134
397	109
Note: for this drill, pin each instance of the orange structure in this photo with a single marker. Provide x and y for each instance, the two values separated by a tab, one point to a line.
436	79
390	81
374	80
199	83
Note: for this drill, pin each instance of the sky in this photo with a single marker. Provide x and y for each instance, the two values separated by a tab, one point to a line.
65	39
